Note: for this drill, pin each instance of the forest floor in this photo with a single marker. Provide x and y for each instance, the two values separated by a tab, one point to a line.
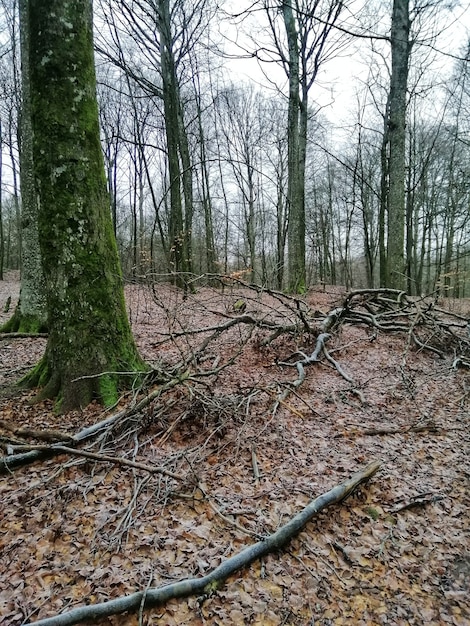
75	531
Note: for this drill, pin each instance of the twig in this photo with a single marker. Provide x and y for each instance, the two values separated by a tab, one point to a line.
419	500
254	463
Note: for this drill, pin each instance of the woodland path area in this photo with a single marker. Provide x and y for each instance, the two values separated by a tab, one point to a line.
239	428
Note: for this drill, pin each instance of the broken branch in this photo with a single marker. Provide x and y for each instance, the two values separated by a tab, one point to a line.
104	458
214	580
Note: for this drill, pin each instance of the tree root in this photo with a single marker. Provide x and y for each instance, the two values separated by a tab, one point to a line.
215	579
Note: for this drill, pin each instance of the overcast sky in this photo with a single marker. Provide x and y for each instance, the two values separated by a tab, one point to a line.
340	78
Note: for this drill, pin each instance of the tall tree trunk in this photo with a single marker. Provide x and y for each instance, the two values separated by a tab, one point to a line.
205	193
383	201
179	168
30	314
397	144
2	241
281	230
295	206
33	297
90	340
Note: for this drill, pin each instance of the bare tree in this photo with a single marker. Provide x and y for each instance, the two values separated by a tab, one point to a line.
166	32
396	136
308	40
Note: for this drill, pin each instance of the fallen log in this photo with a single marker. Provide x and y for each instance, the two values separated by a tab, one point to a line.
209	583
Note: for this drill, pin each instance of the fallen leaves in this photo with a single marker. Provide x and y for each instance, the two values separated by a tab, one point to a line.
73	531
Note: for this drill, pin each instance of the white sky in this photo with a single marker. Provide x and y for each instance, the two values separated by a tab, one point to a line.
339	80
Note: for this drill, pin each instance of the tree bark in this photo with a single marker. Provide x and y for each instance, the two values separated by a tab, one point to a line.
30	315
397	144
89	334
179	165
295	204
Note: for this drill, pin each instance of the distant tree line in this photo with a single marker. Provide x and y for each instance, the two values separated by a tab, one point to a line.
208	173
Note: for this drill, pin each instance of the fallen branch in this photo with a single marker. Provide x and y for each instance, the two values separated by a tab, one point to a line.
104	458
14	461
47	434
4	336
417	427
307	360
420	500
215	579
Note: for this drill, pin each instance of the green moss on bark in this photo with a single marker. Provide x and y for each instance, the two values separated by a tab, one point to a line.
88	328
105	387
21	323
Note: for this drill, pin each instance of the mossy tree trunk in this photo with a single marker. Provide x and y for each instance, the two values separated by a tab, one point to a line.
30	315
90	340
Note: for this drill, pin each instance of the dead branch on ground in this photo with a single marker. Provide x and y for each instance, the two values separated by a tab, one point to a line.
5	336
214	580
103	458
387	310
417	427
428	326
421	499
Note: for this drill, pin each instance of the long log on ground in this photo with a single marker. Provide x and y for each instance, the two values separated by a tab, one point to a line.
215	579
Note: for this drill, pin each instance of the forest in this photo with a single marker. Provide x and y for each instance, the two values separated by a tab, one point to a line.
234	312
231	152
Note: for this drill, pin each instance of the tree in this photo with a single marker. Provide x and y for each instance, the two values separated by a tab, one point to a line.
309	42
90	340
166	33
2	242
30	315
243	135
401	47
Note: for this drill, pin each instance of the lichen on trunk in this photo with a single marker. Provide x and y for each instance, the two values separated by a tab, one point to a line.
89	333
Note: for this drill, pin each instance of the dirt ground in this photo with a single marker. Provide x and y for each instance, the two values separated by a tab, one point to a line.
396	552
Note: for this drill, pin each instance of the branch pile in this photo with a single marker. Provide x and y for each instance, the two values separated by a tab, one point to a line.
429	327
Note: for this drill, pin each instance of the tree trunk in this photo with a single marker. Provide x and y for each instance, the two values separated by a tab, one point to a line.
296	220
90	340
209	254
180	173
30	315
397	140
383	203
33	313
2	241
